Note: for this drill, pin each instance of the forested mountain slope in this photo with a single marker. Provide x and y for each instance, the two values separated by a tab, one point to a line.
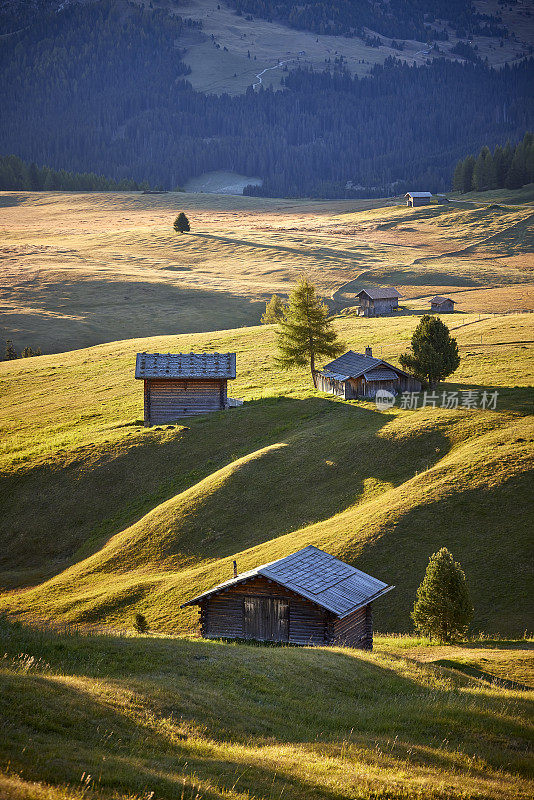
102	87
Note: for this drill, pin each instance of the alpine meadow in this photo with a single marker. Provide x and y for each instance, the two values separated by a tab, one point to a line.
267	383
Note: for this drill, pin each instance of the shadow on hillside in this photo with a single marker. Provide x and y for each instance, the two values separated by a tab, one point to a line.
331	450
487	529
322	702
89	311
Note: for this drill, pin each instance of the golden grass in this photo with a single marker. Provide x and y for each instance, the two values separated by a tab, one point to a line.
81	269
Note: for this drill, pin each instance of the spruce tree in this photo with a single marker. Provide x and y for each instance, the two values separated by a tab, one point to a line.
274	310
181	223
305	332
442	608
469	166
10	354
458	177
433	353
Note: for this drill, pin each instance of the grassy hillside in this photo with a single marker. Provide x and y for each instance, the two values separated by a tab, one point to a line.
107	717
130	519
79	270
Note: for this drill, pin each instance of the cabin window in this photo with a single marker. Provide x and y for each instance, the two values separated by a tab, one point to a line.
267	619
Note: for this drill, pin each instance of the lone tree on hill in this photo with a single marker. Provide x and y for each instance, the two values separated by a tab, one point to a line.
274	310
181	223
305	333
443	608
433	352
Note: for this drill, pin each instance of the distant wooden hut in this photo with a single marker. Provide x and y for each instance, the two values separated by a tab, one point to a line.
418	198
442	305
377	301
183	384
355	376
307	598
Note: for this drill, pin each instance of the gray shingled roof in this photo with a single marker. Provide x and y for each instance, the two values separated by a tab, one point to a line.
438	299
380	375
352	365
317	576
418	194
185	365
380	292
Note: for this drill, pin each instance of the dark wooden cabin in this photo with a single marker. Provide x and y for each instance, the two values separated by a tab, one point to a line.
378	301
355	376
442	305
183	384
307	598
415	199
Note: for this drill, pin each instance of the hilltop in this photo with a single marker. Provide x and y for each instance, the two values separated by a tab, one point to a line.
83	269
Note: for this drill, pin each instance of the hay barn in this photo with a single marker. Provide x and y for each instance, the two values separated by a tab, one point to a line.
415	199
442	305
307	598
355	376
183	384
378	301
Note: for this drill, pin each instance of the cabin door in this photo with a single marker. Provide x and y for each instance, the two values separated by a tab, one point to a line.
267	619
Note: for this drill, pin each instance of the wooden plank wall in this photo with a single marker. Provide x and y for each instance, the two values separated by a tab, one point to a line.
222	615
168	399
355	630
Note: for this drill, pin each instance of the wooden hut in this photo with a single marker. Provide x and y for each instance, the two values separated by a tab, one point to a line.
377	301
418	198
442	305
307	598
355	376
183	384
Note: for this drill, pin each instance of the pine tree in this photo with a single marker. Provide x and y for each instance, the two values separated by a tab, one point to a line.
10	354
458	177
305	332
442	608
274	310
433	353
467	182
483	175
181	223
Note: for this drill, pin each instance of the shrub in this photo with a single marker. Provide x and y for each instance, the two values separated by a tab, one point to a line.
140	623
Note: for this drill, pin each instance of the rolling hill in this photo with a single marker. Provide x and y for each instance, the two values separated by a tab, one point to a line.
121	518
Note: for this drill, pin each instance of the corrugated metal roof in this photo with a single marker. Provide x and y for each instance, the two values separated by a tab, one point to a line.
185	365
418	194
437	299
317	576
380	375
380	293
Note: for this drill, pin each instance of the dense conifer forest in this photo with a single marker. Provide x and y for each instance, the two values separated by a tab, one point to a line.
506	168
102	88
405	19
17	174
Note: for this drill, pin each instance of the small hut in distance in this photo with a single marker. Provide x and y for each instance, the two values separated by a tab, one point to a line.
377	301
415	199
183	384
442	305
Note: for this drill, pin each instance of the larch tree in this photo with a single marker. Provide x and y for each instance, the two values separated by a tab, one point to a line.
305	333
274	310
433	353
442	608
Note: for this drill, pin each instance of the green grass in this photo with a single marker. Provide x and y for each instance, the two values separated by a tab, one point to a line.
121	717
123	519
